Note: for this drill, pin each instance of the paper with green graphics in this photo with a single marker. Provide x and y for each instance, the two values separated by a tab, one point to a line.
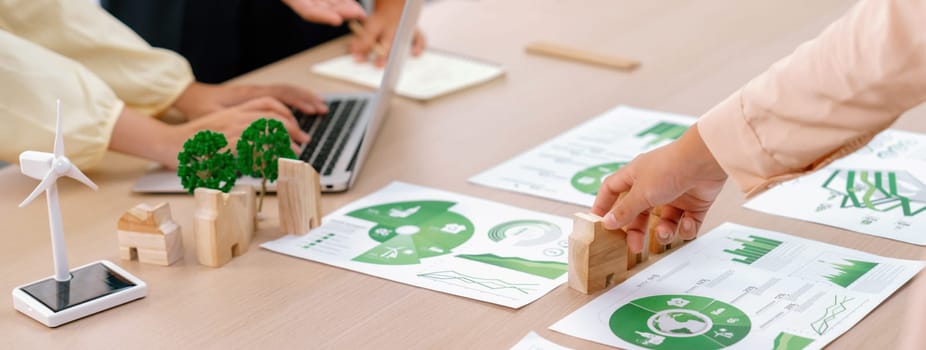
442	241
739	287
879	190
571	166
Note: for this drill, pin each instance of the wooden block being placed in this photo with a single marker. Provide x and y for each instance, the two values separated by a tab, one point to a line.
580	55
224	224
598	257
299	197
150	235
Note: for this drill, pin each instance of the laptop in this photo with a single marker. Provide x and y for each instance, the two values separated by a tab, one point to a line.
342	138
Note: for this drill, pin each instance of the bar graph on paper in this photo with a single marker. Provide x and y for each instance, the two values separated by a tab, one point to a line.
879	190
847	272
751	249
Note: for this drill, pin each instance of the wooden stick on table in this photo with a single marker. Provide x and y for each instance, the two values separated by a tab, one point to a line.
572	53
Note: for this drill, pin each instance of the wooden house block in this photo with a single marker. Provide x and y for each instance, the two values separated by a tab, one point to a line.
250	201
299	197
224	224
150	235
597	256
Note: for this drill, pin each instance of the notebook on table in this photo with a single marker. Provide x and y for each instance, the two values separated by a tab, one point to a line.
432	74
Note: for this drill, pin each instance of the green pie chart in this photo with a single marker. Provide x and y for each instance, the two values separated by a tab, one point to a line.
589	180
410	231
680	322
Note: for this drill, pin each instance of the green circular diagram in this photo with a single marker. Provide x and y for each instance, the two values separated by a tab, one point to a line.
680	322
411	231
590	179
525	232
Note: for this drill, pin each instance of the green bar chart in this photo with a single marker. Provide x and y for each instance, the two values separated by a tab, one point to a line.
664	131
848	272
752	248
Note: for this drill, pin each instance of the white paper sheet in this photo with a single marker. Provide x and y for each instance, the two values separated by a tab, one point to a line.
430	75
571	166
878	190
742	288
442	241
533	341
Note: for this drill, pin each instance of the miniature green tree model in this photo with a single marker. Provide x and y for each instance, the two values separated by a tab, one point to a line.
263	143
204	164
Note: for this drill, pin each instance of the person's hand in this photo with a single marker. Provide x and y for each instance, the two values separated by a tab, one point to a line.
202	99
140	135
379	29
682	177
233	121
333	12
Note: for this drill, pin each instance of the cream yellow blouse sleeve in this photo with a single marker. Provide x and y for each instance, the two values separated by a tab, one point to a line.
73	50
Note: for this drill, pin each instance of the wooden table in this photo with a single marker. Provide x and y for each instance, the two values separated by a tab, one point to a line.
694	53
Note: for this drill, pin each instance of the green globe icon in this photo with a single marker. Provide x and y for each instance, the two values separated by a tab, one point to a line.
679	321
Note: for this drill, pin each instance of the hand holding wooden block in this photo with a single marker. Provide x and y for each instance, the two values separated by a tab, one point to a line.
600	258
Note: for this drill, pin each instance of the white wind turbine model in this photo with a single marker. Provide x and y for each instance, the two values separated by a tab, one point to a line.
68	295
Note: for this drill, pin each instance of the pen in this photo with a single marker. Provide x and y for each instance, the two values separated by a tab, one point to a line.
357	29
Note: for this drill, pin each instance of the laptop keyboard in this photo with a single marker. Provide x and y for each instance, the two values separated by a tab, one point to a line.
329	133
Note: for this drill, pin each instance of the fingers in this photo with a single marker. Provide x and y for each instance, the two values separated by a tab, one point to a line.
363	41
267	107
612	186
332	12
667	226
303	100
690	224
636	231
268	104
419	43
386	41
627	209
635	242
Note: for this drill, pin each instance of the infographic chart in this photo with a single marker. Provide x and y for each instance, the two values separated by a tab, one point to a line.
571	167
878	190
744	288
441	241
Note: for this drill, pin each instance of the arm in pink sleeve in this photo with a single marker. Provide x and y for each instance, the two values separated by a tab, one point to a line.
826	99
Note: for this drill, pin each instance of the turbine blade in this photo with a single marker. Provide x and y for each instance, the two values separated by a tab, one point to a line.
59	136
49	180
75	174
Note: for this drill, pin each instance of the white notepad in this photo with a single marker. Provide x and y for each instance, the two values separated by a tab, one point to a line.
430	75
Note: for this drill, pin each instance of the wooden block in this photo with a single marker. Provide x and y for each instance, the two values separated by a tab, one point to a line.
597	257
223	223
150	235
250	203
299	197
580	55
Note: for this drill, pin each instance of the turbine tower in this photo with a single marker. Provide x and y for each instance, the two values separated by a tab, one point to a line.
85	290
48	167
